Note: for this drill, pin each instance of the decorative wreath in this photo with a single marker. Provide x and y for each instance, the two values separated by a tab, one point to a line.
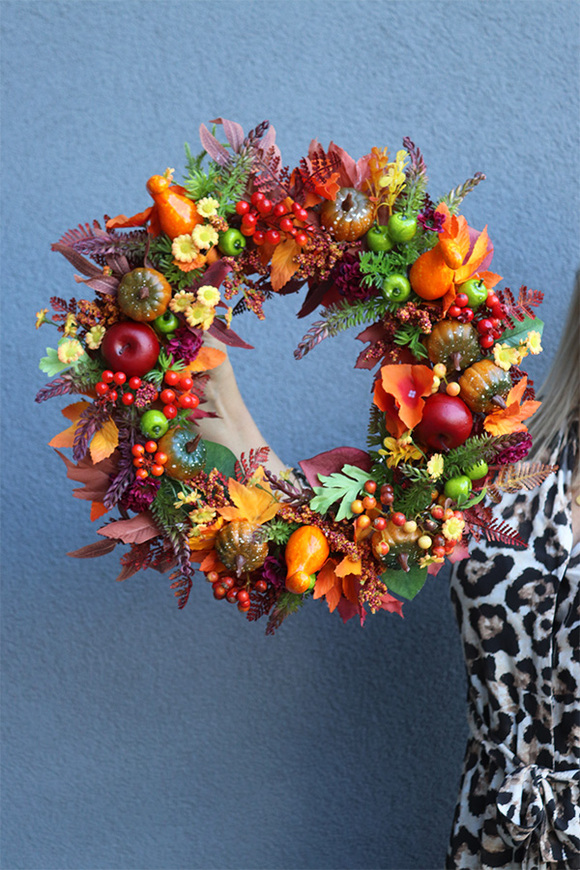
446	434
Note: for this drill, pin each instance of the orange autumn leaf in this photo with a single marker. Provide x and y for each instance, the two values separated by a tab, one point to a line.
72	413
347	566
206	359
206	538
104	441
406	384
328	585
284	263
253	503
97	510
509	419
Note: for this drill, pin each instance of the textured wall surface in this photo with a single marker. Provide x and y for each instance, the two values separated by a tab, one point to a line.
137	736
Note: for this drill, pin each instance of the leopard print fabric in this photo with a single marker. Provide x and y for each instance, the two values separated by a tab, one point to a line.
519	616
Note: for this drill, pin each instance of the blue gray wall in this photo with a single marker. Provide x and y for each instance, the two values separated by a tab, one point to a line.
137	736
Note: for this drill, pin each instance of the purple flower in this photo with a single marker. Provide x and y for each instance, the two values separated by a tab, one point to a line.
184	345
430	219
517	452
274	572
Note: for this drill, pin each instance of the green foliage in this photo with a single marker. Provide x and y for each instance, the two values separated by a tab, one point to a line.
411	336
342	486
51	363
456	196
338	318
220	457
278	531
518	334
405	583
416	498
171	520
469	453
375	266
226	183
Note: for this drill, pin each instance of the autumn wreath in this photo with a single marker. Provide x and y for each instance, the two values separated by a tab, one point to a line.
446	436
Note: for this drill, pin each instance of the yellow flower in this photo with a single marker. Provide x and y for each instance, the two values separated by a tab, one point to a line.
183	499
42	318
184	249
202	516
70	325
453	529
208	295
394	178
69	350
181	301
533	342
199	315
94	337
506	356
207	206
400	450
435	466
204	236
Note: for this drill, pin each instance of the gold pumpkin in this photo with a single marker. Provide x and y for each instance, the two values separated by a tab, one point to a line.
484	386
240	547
349	216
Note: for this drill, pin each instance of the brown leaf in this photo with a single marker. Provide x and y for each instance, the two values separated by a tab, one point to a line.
96	478
91	551
134	531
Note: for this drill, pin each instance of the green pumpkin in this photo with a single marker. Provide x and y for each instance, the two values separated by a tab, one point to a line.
185	451
144	294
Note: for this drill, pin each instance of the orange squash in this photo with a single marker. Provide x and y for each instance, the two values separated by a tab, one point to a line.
176	213
306	552
484	386
349	216
430	276
240	547
453	343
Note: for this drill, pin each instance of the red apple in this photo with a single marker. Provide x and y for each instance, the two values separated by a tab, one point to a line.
130	347
446	423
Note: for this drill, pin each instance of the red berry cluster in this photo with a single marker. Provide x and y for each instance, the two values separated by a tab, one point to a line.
230	589
267	222
177	394
106	387
148	464
489	326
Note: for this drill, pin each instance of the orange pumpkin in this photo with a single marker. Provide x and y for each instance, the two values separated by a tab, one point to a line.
240	547
349	216
306	552
453	343
484	386
401	545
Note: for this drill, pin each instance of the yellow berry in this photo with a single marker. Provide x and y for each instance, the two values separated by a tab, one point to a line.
436	384
440	370
410	526
357	506
424	542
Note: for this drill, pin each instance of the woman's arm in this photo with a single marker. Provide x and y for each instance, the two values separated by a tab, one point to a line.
234	427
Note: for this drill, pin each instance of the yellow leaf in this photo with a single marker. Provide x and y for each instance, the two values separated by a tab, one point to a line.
104	442
207	358
252	503
284	263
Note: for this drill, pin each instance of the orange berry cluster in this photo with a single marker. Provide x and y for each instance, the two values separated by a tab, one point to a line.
148	460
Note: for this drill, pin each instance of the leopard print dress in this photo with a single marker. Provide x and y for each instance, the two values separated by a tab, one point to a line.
519	616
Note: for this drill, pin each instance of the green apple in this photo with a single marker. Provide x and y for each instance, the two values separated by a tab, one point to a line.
154	423
396	287
378	238
166	323
401	227
478	470
476	292
458	488
232	242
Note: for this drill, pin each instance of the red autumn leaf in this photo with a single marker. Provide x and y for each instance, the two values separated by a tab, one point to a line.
91	551
334	460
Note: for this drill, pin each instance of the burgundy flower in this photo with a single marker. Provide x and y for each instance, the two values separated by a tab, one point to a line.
516	452
139	496
348	280
274	572
184	345
430	219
